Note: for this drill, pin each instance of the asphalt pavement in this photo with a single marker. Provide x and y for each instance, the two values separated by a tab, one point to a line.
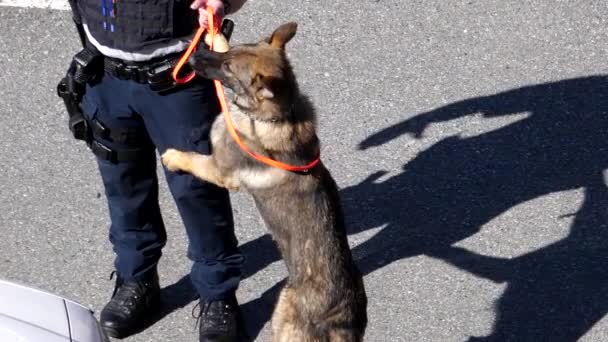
469	140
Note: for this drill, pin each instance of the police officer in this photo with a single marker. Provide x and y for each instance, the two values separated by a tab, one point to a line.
131	109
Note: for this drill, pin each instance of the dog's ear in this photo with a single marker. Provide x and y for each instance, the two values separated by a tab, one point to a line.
282	35
263	88
264	93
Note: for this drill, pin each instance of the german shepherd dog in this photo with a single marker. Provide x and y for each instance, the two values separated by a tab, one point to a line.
324	298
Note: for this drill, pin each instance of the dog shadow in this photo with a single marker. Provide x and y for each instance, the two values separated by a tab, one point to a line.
449	191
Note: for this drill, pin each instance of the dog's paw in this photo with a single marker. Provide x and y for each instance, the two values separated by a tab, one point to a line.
232	188
232	184
175	160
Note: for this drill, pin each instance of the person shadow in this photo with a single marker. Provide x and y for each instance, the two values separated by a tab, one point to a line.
450	190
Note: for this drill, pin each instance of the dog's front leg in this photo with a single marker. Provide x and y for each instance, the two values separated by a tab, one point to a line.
196	164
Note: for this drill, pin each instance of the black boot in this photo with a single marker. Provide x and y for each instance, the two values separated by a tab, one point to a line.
220	321
131	303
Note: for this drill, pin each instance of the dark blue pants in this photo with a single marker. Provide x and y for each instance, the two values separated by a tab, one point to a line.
178	120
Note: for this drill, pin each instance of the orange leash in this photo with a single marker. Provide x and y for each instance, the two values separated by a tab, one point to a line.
182	61
220	94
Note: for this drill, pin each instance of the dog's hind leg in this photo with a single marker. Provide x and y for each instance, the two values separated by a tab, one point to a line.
286	326
199	165
343	335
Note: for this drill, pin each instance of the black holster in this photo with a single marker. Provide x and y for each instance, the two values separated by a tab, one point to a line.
86	66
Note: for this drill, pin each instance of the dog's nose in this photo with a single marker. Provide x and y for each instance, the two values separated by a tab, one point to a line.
199	57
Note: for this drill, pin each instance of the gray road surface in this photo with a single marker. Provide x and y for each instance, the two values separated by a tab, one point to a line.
468	137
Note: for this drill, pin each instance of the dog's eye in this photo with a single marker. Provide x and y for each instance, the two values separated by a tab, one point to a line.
227	65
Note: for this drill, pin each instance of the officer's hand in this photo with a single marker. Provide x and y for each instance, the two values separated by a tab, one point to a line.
201	6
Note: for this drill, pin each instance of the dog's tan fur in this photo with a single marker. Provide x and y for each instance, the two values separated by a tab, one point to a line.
324	299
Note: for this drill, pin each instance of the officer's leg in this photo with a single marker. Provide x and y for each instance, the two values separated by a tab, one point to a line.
182	120
137	232
127	164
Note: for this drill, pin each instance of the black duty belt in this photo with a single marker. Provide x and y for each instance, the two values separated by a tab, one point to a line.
157	73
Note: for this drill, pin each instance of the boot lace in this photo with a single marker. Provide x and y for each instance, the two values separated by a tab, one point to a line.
213	315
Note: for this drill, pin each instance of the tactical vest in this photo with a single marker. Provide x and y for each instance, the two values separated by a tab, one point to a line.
131	25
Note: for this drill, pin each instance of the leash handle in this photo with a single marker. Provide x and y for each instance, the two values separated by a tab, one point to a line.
192	47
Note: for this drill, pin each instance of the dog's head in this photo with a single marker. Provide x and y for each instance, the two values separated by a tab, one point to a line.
258	74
